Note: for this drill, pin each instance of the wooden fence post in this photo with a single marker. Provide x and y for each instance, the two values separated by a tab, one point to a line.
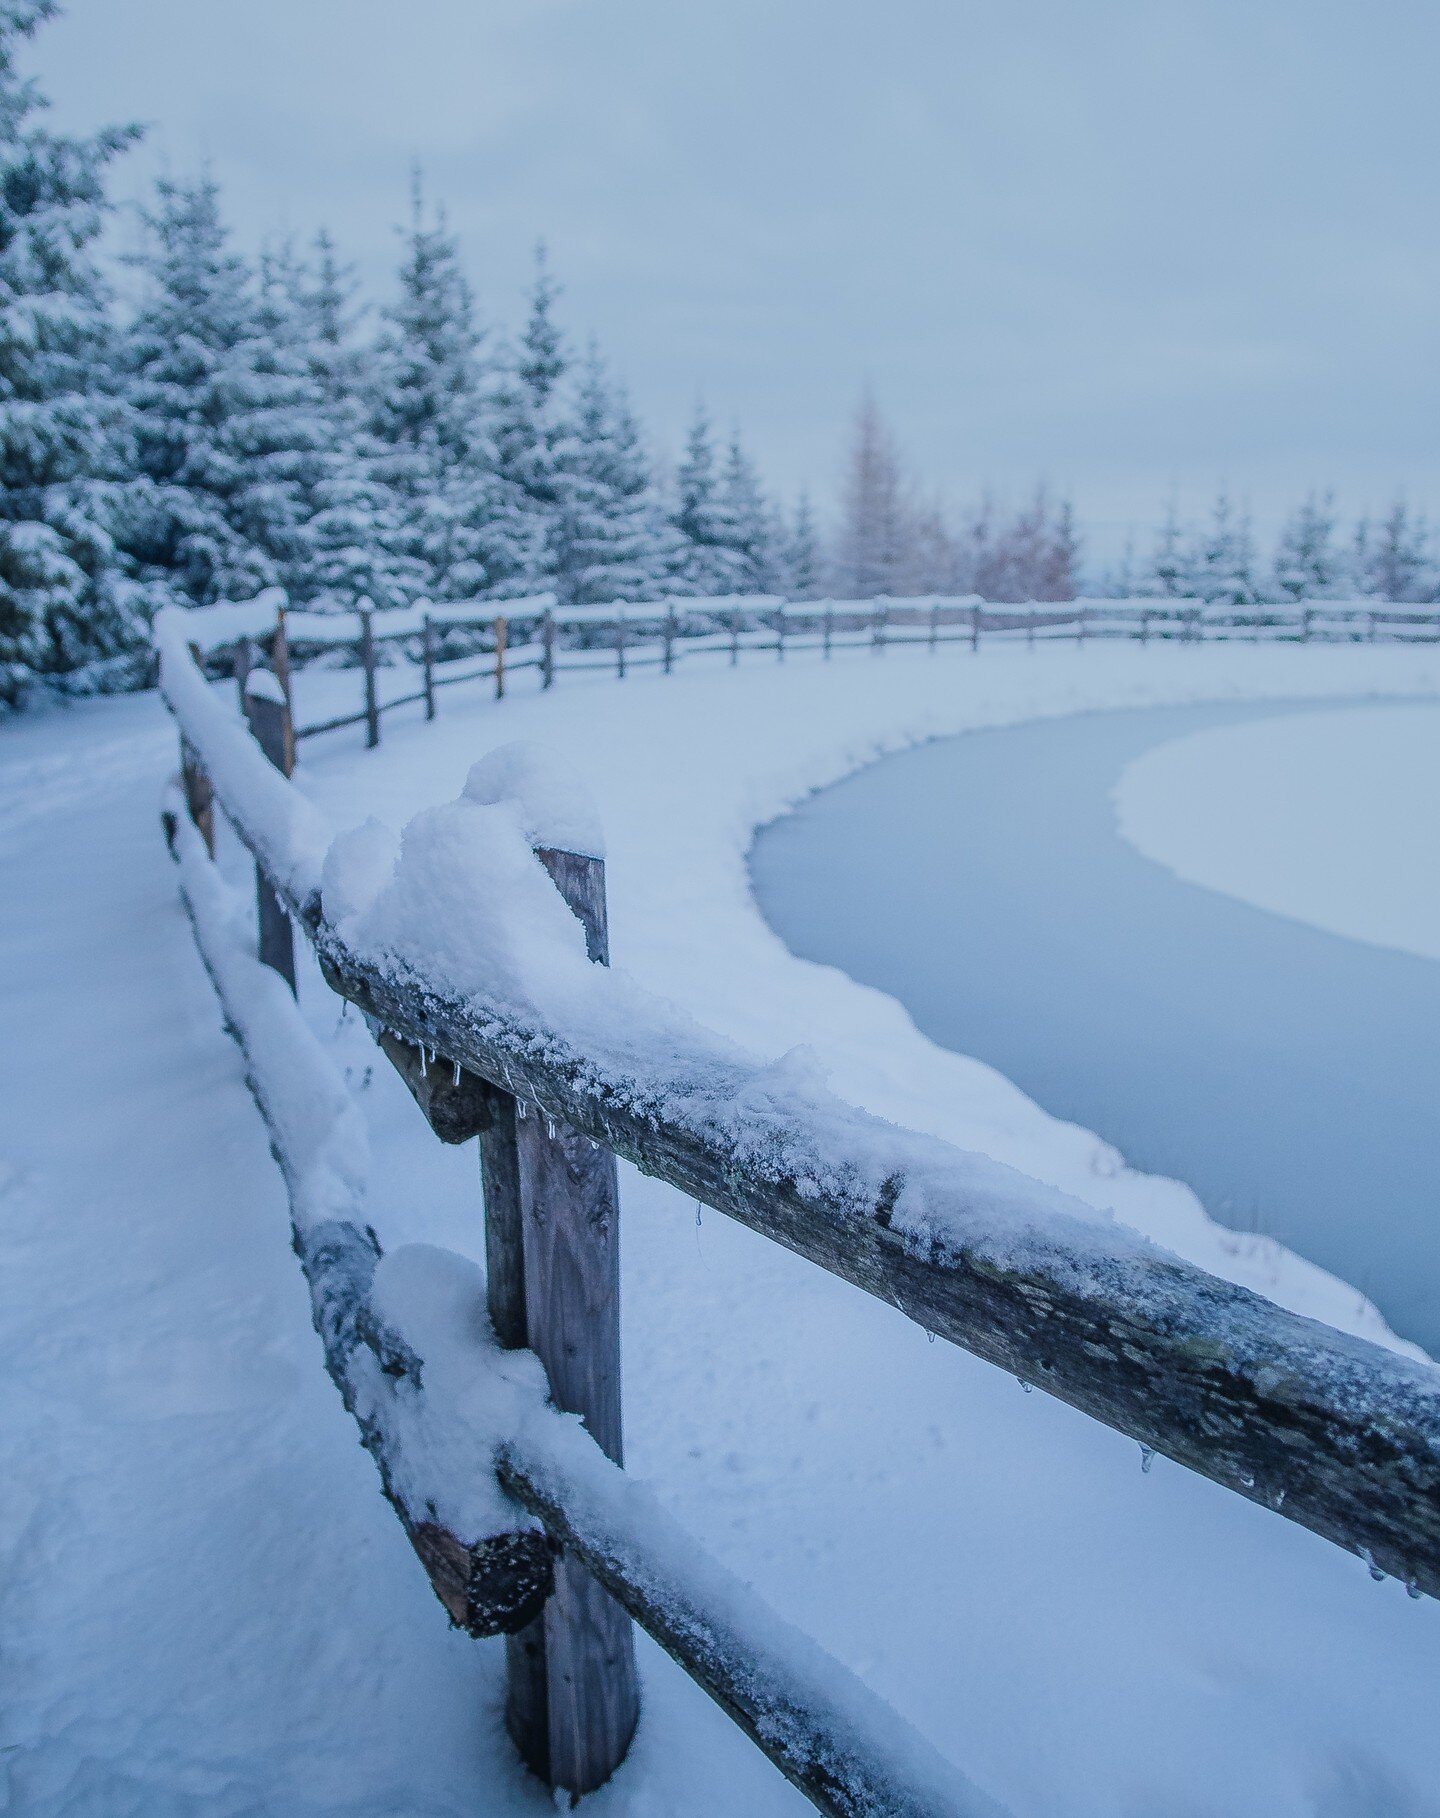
620	648
1030	626
242	661
1372	628
427	661
974	627
280	659
669	659
552	1263
547	649
877	636
829	628
199	794
1305	617
780	634
270	722
934	636
501	631
734	638
1080	618
367	659
1144	625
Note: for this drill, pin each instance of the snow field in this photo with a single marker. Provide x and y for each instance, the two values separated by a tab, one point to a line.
210	1606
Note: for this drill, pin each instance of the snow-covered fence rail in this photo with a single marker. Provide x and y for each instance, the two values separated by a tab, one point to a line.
478	978
466	643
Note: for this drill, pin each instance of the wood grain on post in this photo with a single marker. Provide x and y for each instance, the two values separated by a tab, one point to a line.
199	794
367	659
573	1697
427	664
269	719
280	659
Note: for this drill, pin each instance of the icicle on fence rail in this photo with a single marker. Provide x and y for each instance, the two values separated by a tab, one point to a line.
1327	1431
460	643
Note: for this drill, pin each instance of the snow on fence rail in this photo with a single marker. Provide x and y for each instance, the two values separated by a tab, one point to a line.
464	643
476	966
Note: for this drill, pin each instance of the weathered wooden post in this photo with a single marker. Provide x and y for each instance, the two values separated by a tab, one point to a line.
669	658
1305	617
552	1266
620	648
1030	626
780	634
734	638
242	661
367	659
270	722
280	658
427	664
934	635
882	618
974	627
547	649
1372	628
829	631
199	794
501	632
1080	617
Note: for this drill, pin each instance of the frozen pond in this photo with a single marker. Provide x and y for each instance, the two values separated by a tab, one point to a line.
1290	1076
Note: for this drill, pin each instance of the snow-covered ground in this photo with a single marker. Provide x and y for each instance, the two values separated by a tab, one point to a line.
206	1606
1332	818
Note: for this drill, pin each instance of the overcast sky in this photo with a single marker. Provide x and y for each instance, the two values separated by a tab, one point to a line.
1123	244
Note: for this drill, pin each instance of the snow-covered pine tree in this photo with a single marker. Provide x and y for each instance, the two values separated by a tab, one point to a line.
458	522
804	563
225	409
710	563
1224	569
1395	562
749	526
1168	574
601	546
63	446
354	546
1307	565
528	428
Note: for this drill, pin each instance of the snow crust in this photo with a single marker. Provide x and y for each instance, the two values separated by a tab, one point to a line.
1331	818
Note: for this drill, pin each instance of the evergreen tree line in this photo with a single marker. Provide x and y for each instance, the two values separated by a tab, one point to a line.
1314	556
242	425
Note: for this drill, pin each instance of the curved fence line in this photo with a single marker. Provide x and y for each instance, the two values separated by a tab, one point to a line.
446	645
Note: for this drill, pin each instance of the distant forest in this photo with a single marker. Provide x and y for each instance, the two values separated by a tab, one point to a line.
247	424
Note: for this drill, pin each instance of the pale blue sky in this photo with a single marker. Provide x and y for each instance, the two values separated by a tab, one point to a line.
1123	245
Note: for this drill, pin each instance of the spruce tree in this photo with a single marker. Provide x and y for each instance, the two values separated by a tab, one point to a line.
1396	562
747	526
527	429
353	539
1306	564
458	523
1168	574
1224	569
709	560
63	443
601	543
227	426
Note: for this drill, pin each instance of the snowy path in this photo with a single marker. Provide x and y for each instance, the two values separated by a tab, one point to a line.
207	1607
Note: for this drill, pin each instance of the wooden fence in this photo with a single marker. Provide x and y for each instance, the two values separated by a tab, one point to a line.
1325	1430
445	645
